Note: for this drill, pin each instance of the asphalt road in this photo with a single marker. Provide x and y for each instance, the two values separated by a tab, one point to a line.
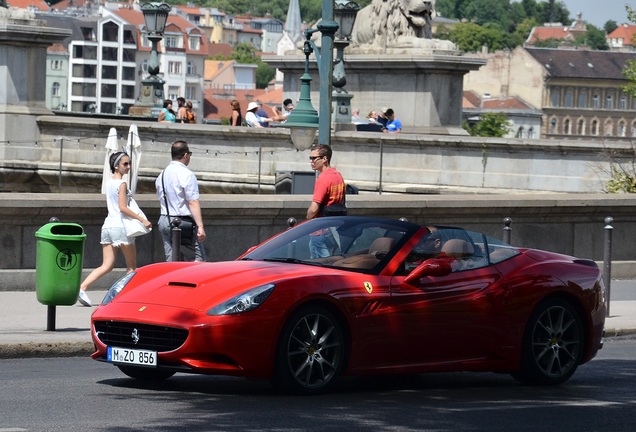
78	394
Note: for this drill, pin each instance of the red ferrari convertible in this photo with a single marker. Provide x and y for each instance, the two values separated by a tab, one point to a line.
357	295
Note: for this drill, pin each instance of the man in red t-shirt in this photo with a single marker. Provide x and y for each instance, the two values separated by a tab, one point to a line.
328	190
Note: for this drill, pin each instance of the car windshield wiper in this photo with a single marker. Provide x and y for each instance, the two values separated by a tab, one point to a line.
293	261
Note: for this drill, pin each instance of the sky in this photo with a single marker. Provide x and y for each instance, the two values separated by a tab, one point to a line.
598	12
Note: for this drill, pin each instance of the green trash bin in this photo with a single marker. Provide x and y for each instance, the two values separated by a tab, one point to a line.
58	263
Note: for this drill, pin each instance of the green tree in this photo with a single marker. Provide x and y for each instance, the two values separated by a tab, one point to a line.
470	37
630	67
553	11
490	125
610	26
593	38
264	74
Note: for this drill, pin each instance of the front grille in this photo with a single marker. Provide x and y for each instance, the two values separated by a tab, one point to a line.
151	337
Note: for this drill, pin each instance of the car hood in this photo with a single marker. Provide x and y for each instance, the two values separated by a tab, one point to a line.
200	286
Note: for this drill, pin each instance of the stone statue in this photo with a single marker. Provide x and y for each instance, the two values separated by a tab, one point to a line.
397	24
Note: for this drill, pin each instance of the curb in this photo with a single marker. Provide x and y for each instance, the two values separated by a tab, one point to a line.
43	350
85	349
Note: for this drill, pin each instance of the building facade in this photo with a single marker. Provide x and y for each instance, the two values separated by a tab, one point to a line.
579	92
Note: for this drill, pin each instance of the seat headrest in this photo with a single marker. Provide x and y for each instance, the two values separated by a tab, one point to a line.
458	248
381	246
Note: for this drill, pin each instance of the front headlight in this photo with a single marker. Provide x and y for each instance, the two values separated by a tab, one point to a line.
117	287
244	302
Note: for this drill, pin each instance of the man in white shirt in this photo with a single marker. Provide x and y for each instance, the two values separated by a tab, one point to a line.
178	189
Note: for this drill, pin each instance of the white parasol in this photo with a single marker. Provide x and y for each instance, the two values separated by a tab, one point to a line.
111	147
133	148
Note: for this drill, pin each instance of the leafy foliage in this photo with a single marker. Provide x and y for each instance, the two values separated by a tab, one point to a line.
490	125
245	53
630	68
623	179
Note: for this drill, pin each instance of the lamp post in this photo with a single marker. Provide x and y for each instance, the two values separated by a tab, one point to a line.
302	122
345	15
150	101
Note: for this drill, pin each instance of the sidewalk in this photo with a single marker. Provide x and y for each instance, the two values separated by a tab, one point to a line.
23	323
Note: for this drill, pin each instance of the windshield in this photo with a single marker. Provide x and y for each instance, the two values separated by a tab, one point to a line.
355	243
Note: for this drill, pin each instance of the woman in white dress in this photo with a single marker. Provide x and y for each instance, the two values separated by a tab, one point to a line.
113	235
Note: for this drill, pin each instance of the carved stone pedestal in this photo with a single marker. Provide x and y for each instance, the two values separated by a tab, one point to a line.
23	44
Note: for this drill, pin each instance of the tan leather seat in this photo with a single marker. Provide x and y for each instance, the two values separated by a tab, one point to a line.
458	249
378	250
381	246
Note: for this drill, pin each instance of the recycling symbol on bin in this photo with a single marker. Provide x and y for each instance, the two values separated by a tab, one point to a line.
66	259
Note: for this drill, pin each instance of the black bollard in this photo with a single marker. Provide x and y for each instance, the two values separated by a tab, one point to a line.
607	262
50	318
507	231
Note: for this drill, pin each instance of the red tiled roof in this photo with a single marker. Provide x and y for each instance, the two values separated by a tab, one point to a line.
56	48
217	105
544	33
223	49
625	32
504	103
23	4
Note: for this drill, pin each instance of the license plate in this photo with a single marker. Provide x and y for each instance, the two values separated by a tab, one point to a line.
132	356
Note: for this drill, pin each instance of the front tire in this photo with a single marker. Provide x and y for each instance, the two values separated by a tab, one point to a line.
553	344
146	374
311	352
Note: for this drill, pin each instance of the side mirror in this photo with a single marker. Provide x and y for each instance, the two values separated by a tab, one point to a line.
431	267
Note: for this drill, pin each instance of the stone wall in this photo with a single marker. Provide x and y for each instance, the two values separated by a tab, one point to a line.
244	160
571	224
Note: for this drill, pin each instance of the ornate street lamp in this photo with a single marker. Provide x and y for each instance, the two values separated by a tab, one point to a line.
303	122
345	15
150	101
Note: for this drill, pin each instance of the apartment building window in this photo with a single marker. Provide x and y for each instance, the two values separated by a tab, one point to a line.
129	38
608	128
55	89
110	32
88	33
554	97
623	102
191	68
173	93
519	132
84	89
569	98
109	90
596	102
108	108
594	127
194	42
128	92
171	42
56	64
128	73
553	126
109	72
583	99
145	42
109	53
580	128
622	128
567	127
531	133
190	92
610	102
85	52
84	71
634	129
174	67
129	55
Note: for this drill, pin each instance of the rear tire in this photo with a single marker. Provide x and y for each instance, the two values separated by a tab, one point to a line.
146	374
553	344
311	352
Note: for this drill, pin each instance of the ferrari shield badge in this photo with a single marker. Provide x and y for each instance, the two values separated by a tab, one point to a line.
368	287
